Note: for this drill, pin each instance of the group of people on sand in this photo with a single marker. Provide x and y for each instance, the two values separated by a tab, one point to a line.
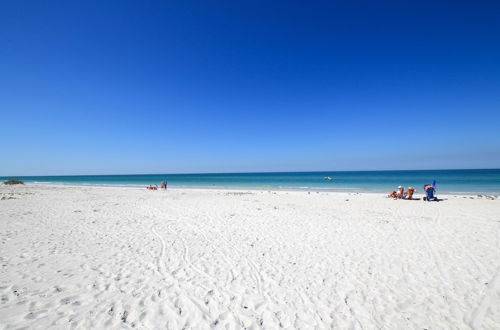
163	185
429	190
401	193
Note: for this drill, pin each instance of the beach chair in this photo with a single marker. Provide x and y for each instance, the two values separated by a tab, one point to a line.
429	193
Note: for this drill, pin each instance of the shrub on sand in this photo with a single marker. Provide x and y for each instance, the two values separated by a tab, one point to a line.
13	181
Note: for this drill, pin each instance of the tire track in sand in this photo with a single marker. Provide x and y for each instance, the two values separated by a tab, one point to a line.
448	297
255	272
479	265
160	258
434	254
478	315
252	266
162	267
185	254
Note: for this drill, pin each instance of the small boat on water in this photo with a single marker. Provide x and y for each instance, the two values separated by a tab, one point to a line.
328	178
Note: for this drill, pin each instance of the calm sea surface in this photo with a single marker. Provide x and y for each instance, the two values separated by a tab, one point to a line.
450	181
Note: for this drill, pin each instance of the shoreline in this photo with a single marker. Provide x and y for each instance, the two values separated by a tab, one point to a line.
461	182
272	189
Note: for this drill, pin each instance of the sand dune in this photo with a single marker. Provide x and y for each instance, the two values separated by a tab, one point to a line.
123	258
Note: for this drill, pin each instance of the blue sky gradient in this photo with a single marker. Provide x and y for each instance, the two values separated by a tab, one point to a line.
116	87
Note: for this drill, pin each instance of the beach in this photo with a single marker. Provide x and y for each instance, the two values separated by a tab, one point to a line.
128	258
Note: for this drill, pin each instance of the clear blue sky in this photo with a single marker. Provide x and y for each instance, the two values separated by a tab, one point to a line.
90	87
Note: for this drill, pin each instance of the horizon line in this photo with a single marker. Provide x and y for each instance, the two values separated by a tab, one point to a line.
270	172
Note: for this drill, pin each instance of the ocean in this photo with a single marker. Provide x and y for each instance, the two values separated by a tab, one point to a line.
479	181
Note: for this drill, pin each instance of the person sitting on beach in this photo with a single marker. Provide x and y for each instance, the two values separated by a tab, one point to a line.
409	193
429	191
393	194
401	192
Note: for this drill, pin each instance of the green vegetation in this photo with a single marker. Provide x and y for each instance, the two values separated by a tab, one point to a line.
13	181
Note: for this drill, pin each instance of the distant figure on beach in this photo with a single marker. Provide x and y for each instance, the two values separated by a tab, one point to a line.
150	187
429	193
401	192
409	193
163	184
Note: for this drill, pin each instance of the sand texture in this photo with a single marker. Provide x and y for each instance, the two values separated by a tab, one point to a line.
124	258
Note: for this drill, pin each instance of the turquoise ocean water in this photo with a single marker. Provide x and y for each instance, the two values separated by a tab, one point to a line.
485	181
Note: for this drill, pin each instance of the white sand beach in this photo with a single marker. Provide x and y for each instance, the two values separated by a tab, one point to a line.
123	258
